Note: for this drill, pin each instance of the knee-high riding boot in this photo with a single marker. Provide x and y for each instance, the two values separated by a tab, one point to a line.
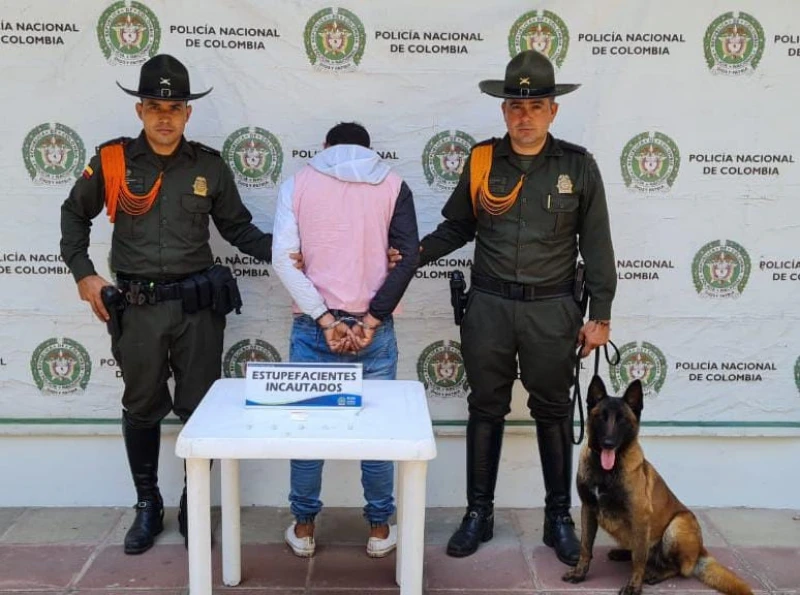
555	452
142	446
183	511
484	443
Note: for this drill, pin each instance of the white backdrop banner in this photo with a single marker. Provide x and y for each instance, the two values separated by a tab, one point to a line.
689	108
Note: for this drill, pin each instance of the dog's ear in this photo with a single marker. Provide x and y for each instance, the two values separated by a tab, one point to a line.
597	392
634	397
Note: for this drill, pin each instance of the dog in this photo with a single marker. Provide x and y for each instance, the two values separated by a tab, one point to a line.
622	493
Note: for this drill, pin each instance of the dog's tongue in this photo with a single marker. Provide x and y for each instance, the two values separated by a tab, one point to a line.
607	458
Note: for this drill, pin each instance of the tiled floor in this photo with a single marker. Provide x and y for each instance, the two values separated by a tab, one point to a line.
57	551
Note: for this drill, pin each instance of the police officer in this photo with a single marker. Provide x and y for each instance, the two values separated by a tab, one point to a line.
530	202
159	191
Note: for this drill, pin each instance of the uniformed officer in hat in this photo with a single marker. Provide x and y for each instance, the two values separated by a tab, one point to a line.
160	191
531	202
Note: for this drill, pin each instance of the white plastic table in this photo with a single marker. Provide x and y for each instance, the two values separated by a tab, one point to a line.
393	425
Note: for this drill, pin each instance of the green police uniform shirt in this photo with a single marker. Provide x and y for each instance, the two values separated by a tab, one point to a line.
561	209
170	240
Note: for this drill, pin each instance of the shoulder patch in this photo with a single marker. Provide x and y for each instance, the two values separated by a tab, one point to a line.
122	140
205	148
572	147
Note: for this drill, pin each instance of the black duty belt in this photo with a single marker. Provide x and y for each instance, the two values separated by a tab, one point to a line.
520	291
138	292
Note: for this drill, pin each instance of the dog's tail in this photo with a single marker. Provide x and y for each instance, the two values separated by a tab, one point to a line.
716	576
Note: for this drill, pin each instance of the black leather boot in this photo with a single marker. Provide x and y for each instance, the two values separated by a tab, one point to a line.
183	519
142	446
484	443
555	452
183	511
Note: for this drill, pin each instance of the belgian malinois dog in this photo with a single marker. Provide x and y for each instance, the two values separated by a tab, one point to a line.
621	492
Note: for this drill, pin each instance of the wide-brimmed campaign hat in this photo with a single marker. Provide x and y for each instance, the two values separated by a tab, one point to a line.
529	75
164	77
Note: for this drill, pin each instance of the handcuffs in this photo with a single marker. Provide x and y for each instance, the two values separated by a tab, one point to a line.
352	319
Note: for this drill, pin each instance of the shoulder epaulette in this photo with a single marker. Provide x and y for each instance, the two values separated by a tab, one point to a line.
488	141
122	140
572	147
205	148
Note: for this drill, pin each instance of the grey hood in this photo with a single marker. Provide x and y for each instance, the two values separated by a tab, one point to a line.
351	163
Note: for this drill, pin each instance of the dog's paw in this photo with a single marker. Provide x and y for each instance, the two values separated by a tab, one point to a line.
619	555
653	578
630	590
574	576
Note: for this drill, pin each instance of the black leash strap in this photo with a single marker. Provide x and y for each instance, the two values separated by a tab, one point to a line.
576	389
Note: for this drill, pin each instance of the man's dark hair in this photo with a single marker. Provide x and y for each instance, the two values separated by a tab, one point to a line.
347	133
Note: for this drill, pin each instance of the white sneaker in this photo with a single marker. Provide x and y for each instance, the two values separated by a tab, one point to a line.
378	548
303	547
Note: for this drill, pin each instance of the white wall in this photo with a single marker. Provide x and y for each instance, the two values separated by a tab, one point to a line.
758	472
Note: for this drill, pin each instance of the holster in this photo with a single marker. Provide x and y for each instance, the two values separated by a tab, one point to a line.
458	296
115	303
579	292
214	288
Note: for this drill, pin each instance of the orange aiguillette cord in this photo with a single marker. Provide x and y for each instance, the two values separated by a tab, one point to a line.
480	164
112	159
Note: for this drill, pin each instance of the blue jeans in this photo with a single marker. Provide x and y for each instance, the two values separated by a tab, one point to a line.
377	477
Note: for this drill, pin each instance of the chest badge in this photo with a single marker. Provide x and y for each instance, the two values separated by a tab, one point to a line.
564	184
200	186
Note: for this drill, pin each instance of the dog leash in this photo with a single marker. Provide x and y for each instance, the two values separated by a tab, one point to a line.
576	390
